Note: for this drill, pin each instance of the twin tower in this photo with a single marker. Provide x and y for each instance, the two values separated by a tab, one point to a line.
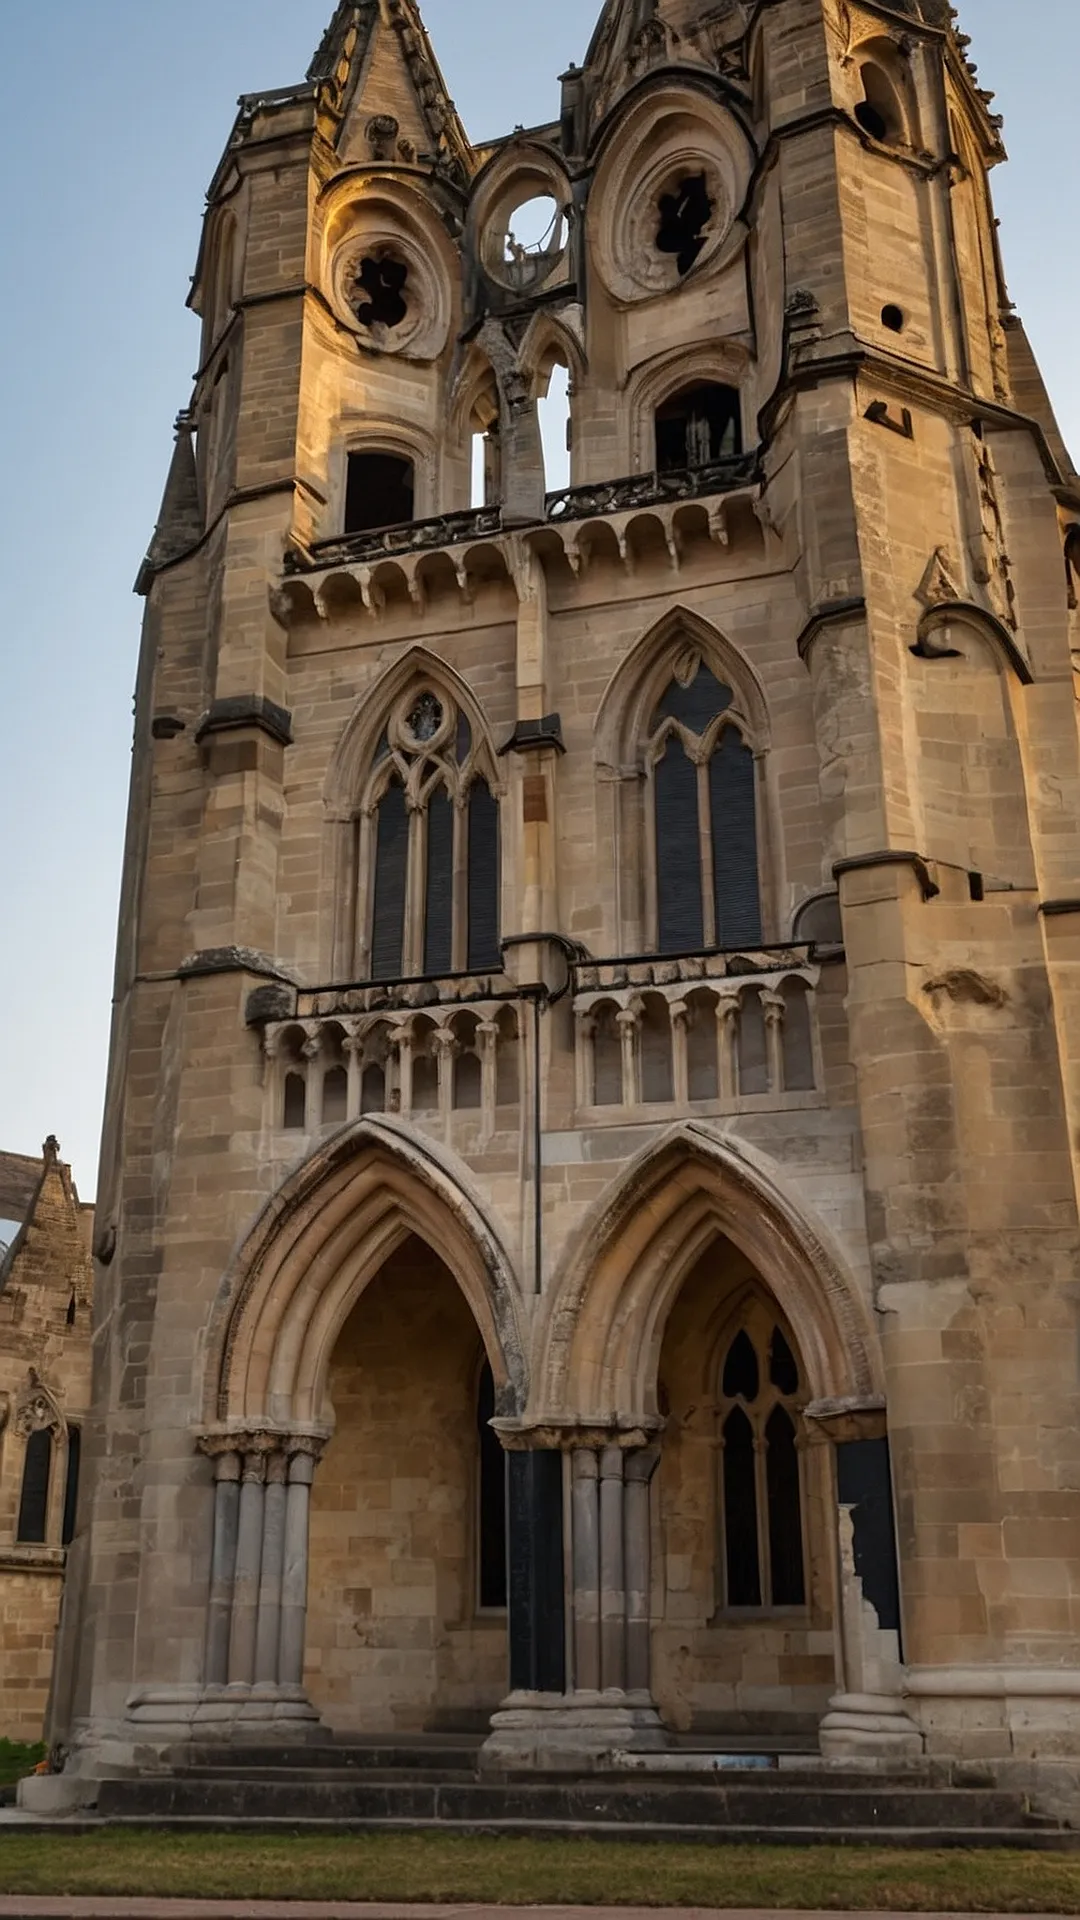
588	1240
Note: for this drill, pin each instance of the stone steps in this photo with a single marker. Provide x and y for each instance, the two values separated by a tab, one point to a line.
729	1806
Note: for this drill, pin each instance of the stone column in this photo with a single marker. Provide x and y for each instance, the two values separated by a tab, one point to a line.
586	1555
227	1468
612	1573
608	1707
727	1041
637	1524
679	1014
294	1585
268	1630
629	1023
773	1008
245	1607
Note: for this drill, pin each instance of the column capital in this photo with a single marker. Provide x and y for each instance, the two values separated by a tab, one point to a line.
224	1444
571	1434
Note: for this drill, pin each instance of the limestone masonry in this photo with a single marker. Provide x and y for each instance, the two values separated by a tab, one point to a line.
46	1286
587	1244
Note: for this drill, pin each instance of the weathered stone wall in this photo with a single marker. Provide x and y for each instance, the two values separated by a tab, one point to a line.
45	1309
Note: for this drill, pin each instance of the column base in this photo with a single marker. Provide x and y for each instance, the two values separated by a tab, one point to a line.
869	1726
568	1732
182	1715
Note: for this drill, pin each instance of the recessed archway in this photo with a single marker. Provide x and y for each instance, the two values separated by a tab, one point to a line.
607	1314
319	1243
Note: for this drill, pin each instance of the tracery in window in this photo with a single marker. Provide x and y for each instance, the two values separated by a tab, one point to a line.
762	1554
704	801
429	844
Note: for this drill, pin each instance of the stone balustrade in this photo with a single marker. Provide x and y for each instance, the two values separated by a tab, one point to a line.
428	1064
618	521
724	1032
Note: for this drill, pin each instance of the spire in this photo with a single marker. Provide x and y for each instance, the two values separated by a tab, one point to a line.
180	521
381	93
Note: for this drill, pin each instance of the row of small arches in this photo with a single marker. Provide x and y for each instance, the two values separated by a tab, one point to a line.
754	1067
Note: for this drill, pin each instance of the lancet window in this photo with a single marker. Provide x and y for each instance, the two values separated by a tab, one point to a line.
762	1552
703	803
429	844
47	1507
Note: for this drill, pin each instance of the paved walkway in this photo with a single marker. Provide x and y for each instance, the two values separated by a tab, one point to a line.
107	1907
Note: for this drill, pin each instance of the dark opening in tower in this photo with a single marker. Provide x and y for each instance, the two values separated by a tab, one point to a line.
697	426
684	217
379	492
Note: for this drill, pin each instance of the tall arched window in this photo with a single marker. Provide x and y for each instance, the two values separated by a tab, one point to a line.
761	1395
491	1579
704	803
429	844
33	1523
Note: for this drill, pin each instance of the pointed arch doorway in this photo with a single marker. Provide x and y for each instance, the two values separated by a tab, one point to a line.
370	1309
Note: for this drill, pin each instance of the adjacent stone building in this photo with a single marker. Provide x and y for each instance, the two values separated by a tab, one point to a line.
46	1281
588	1223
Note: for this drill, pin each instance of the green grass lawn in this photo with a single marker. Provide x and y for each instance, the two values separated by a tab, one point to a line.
16	1760
437	1867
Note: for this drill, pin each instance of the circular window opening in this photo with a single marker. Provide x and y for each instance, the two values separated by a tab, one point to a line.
534	240
379	297
893	318
425	718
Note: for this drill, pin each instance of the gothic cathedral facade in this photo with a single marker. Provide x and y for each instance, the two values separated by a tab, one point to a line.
588	1233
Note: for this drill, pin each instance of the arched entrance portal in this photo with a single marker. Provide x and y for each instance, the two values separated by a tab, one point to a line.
369	1309
710	1366
404	1631
744	1589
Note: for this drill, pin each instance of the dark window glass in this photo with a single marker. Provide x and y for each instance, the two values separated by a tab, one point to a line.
783	1372
295	1114
695	705
71	1487
484	905
680	907
439	903
492	1517
700	425
379	492
785	1511
740	1513
733	805
34	1503
741	1375
391	874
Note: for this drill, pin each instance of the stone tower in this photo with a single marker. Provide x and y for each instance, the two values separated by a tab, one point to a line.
588	1226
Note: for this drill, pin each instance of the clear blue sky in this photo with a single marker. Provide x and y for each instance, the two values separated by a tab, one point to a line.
115	113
